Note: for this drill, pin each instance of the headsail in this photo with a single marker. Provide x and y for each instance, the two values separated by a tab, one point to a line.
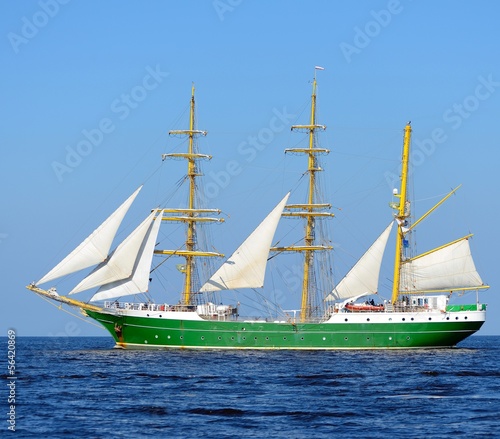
95	248
447	268
247	265
121	263
138	281
363	277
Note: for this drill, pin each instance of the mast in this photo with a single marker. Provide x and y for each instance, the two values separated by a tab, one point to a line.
309	211
191	231
192	214
402	215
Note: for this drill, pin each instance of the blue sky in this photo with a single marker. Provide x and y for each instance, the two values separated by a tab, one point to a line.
90	90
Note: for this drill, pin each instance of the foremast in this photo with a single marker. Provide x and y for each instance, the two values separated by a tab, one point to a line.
402	214
309	211
192	214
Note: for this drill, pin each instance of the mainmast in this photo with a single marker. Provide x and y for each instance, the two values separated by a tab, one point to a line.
402	215
192	214
309	211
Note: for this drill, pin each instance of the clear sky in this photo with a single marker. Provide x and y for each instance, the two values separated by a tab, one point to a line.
90	89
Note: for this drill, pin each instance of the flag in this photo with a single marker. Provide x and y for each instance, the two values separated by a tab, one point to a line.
319	68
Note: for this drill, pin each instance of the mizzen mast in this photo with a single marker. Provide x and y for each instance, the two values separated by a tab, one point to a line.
402	214
309	211
192	214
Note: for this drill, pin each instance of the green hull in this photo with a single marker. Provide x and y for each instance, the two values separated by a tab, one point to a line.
161	333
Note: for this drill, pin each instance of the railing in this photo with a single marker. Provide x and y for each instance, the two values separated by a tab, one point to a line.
208	310
388	307
148	306
401	307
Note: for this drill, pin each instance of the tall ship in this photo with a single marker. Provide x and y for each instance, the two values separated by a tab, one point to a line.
347	315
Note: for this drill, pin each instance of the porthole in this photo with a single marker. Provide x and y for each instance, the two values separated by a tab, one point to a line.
390	319
284	338
156	336
408	337
168	336
465	317
430	318
346	338
324	338
367	320
181	337
267	338
160	315
390	338
302	338
367	338
404	319
255	338
456	318
244	338
202	337
346	320
219	338
412	319
232	338
447	318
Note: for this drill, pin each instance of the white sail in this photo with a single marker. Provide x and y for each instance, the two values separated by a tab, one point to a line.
95	248
445	269
247	265
121	263
362	279
138	282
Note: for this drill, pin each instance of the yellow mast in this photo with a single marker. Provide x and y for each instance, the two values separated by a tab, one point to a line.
305	308
308	211
402	213
190	215
191	224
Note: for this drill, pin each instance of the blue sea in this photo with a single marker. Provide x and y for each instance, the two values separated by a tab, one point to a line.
82	387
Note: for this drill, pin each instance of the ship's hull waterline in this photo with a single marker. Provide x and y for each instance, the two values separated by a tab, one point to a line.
350	332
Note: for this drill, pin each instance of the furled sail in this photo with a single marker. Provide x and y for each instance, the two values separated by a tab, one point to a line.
247	265
121	263
363	277
138	281
447	268
95	248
